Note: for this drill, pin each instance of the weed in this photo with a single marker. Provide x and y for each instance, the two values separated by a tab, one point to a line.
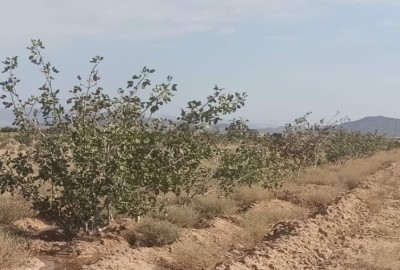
210	207
245	196
322	195
256	223
183	216
13	251
196	256
13	208
154	233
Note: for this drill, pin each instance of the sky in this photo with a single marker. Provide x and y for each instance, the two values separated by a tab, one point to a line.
290	56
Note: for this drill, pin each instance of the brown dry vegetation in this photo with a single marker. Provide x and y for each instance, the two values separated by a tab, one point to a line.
246	196
13	250
13	208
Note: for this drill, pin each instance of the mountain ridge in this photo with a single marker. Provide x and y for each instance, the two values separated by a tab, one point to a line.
383	125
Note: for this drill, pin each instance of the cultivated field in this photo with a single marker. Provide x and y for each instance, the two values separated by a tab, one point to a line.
330	217
98	181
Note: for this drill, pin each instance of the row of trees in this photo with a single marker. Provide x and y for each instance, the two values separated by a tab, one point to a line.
93	154
269	158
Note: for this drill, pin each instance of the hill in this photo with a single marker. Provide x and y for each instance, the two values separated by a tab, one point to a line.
383	125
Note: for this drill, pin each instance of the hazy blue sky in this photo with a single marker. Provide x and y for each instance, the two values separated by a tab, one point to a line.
290	56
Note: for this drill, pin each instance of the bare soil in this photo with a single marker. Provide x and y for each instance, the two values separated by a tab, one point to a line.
360	229
346	235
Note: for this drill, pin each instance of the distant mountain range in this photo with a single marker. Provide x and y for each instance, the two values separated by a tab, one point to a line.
383	125
386	126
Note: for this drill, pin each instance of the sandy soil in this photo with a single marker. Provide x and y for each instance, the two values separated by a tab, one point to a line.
360	230
348	235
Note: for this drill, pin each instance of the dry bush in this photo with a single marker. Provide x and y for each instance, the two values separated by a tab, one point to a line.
8	141
350	174
350	182
316	176
151	232
13	208
196	256
210	206
256	223
13	251
346	176
245	196
183	216
280	213
323	195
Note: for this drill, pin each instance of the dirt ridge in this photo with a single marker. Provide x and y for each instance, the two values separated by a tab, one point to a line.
310	243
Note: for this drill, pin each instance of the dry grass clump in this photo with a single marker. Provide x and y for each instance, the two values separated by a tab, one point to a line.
246	196
152	232
8	141
346	176
13	251
210	206
183	216
350	174
278	213
13	208
196	256
256	223
323	195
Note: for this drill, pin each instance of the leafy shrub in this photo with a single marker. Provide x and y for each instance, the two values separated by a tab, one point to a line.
95	152
102	152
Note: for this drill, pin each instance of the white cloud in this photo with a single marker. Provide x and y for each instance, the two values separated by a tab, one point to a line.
141	20
132	19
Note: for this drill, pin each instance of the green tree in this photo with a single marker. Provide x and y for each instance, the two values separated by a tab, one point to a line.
95	152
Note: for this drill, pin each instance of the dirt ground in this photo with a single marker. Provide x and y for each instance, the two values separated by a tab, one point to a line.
359	230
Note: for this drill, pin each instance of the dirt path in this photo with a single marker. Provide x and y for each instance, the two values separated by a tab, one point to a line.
360	231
